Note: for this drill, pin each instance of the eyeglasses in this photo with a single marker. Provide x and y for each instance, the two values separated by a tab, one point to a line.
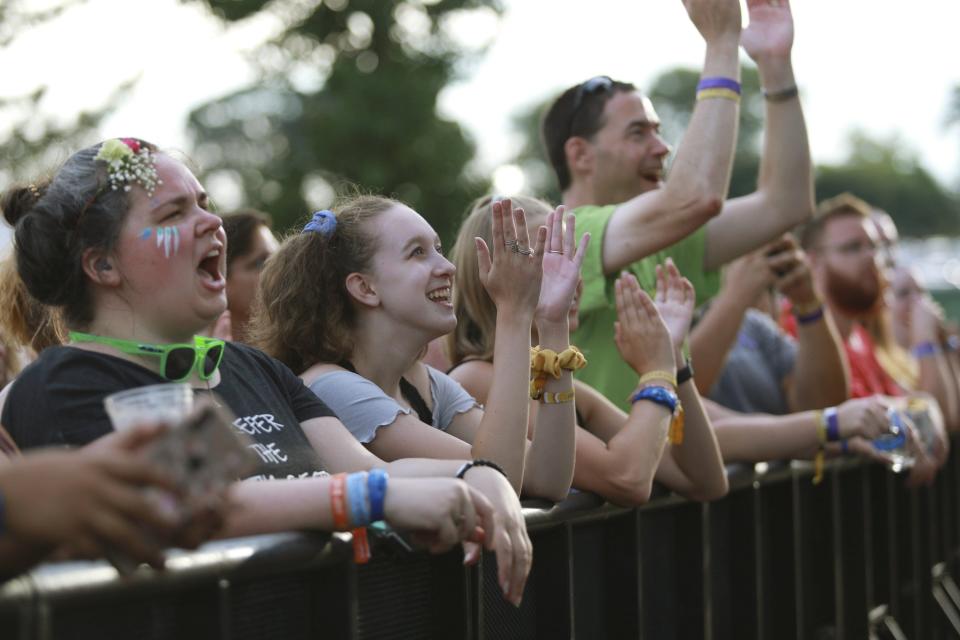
853	247
596	84
177	361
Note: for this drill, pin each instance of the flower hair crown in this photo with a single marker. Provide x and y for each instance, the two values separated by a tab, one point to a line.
129	162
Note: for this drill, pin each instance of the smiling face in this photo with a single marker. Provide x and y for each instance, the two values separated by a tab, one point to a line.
412	278
627	152
171	255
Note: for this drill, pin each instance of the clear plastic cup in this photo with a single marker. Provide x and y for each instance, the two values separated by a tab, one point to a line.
894	443
168	403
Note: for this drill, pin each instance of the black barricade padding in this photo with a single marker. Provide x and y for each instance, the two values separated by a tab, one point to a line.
858	554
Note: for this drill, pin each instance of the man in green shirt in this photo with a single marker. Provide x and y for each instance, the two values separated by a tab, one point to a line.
602	138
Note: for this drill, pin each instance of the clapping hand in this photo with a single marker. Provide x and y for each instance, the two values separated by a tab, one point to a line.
640	333
675	300
561	267
510	270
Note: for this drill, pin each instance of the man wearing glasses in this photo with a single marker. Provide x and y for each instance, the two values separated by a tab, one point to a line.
602	138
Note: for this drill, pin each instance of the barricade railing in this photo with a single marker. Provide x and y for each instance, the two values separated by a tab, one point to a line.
859	555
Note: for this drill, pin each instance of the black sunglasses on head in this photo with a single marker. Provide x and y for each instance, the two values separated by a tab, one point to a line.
596	84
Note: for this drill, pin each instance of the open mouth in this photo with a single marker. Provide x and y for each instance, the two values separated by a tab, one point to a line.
441	295
209	270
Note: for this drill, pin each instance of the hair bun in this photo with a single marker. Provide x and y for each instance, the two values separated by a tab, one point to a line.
18	201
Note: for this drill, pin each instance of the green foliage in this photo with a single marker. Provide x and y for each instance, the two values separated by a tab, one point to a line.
31	142
365	116
891	178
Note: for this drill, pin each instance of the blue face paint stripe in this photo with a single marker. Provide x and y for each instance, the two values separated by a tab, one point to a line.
167	237
146	233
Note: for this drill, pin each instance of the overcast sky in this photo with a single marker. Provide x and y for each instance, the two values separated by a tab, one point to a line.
883	66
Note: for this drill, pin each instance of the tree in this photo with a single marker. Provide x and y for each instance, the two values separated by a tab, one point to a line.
32	142
347	95
889	176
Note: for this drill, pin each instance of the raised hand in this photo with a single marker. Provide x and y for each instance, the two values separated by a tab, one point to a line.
746	278
770	32
674	299
715	19
561	267
510	270
794	279
640	333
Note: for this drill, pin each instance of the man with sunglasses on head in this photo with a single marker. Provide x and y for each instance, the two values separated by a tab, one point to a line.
602	138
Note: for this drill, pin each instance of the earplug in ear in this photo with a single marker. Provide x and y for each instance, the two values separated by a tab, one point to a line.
103	265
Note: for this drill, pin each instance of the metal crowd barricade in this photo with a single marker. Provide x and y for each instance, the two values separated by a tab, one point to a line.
859	555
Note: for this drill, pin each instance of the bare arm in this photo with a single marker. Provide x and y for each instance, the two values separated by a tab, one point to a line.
820	375
784	195
700	175
697	458
936	376
716	333
757	437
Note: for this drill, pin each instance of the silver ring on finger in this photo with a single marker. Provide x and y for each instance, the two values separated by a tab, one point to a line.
511	244
525	252
554	251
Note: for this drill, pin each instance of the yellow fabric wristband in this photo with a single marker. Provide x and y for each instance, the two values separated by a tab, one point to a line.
663	376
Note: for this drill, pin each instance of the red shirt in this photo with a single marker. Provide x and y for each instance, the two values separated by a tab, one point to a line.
867	377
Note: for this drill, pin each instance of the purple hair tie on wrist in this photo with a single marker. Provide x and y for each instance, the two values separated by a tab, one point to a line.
323	222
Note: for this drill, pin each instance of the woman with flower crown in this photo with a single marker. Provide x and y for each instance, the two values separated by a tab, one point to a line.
353	301
122	242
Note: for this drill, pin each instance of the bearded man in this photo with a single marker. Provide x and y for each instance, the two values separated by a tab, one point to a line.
843	247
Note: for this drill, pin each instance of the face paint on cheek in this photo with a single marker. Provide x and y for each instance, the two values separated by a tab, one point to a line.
167	237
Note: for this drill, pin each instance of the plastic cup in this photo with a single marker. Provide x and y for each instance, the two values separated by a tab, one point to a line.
894	443
168	403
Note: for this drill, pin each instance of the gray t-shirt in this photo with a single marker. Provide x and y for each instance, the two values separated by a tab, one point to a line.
753	375
363	406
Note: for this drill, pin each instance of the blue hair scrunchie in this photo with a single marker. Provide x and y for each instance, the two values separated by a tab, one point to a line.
323	222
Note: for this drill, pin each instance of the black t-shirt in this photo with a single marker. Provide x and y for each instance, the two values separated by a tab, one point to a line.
58	400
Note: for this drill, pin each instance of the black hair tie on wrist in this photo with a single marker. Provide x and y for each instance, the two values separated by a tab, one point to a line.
480	463
685	373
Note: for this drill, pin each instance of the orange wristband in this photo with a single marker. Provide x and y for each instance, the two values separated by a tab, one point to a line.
338	501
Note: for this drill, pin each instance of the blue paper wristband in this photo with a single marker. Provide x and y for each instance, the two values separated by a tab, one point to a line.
377	490
719	82
357	499
833	424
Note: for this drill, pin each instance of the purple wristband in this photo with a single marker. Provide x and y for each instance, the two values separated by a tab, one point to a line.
833	424
924	350
719	82
811	317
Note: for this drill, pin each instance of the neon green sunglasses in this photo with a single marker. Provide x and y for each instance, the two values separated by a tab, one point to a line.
177	361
